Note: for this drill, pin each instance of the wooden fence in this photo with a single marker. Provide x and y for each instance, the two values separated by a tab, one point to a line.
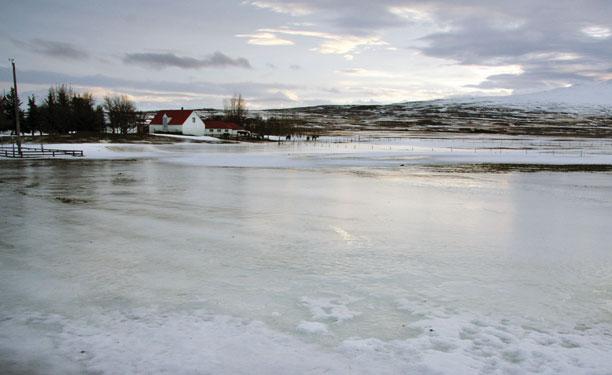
28	152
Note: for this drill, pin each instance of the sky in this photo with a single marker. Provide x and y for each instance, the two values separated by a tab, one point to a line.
278	54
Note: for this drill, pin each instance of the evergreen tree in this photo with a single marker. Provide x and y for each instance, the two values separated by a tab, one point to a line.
33	121
5	124
83	113
11	101
99	119
63	113
49	113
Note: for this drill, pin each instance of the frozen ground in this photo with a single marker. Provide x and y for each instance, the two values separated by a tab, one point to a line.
366	150
302	259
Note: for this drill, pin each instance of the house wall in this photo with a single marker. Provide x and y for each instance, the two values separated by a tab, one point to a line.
133	130
220	132
178	129
194	125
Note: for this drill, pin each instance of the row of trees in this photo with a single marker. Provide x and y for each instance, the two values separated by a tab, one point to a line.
275	125
64	111
235	110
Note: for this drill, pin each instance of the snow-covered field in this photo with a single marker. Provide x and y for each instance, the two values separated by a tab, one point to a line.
304	258
369	150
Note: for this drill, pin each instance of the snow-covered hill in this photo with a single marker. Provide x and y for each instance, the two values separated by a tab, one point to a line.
591	97
581	110
595	94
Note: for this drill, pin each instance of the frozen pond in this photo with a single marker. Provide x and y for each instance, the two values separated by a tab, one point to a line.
177	266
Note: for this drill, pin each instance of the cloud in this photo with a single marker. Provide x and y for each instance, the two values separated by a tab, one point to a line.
366	73
294	8
359	17
197	90
265	39
338	44
533	80
355	15
478	32
167	60
55	49
597	32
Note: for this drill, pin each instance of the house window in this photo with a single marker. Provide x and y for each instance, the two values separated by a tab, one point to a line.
193	119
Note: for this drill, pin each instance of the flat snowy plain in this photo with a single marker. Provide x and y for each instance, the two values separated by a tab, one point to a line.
304	258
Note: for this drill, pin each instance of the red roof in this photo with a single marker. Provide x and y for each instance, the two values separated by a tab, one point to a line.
216	124
176	117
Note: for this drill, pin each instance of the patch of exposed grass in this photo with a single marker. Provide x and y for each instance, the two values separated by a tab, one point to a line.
526	168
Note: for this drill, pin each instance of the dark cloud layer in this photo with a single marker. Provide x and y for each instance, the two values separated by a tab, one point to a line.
546	44
55	49
249	89
168	60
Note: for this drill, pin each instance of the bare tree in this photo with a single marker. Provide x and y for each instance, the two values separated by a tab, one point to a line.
141	120
121	113
235	109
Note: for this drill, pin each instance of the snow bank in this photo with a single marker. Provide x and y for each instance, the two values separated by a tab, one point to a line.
332	309
156	341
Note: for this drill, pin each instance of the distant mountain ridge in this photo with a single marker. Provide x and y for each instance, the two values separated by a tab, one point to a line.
597	94
593	98
580	111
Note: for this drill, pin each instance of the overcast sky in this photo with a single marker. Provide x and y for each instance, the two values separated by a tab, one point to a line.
168	54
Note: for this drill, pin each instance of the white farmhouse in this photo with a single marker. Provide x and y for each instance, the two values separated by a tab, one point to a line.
177	121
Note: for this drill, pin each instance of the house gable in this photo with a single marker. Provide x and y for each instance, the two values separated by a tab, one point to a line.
175	117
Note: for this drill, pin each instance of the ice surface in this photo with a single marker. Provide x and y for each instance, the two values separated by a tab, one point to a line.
300	260
312	327
329	309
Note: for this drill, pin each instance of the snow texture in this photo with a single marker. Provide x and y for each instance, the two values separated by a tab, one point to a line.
306	259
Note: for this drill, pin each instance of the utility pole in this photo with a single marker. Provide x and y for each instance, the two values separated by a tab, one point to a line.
16	105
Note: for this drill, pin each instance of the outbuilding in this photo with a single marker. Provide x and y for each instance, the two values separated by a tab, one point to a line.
181	121
217	128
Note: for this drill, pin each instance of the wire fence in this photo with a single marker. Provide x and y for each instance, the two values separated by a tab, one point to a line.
576	147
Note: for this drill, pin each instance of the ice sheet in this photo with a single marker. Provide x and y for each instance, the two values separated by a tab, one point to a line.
157	265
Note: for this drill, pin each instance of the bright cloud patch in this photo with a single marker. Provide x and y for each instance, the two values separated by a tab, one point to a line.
411	13
332	43
265	39
342	45
295	9
597	32
366	73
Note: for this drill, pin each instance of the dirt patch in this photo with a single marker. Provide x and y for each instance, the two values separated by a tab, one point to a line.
527	168
71	200
102	138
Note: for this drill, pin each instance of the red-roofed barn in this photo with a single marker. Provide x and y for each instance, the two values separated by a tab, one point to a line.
216	128
177	121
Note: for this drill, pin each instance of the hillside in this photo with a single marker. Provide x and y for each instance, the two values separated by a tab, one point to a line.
571	111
